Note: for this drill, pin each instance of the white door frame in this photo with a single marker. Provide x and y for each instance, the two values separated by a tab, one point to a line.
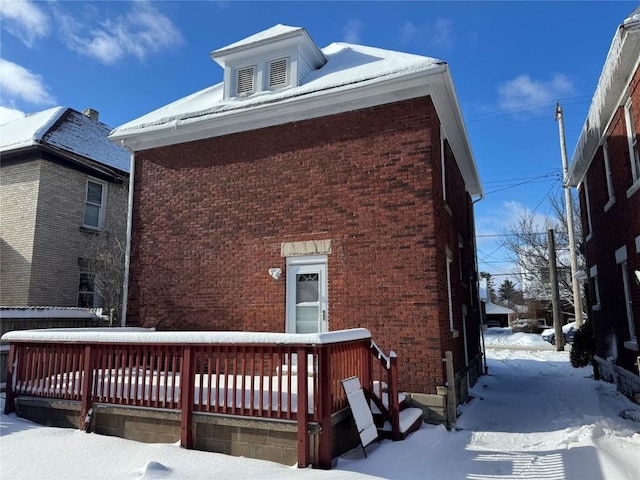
300	265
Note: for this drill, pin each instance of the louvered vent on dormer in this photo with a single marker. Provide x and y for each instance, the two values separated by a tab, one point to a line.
279	73
246	80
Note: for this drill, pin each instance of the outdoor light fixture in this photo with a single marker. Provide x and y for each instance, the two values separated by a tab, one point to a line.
275	273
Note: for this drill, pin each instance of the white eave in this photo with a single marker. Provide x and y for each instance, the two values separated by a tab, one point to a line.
622	60
432	79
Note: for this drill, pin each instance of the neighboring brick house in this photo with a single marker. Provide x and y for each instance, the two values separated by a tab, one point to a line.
606	169
312	190
64	191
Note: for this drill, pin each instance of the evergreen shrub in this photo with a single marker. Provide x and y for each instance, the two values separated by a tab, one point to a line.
584	346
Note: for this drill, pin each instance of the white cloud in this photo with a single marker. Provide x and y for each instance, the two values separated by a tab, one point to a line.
9	114
352	31
16	82
24	19
441	33
523	91
139	32
409	31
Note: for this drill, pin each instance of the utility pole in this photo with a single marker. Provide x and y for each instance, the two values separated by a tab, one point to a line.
555	294
577	297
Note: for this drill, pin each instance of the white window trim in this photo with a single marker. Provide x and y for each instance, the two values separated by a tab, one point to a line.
587	202
103	204
593	273
632	141
608	177
626	287
236	72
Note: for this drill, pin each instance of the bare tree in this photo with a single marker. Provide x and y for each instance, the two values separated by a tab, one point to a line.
105	256
526	242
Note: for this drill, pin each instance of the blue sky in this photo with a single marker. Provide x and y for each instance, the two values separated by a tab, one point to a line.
510	62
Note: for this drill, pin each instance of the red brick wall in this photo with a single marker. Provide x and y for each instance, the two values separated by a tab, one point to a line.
611	230
209	218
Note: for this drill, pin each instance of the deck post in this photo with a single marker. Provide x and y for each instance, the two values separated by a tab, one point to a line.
302	410
86	401
186	397
394	407
10	402
325	454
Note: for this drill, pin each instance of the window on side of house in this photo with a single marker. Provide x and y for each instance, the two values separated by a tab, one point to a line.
95	204
608	176
595	286
443	164
621	259
450	291
245	81
632	139
278	73
87	297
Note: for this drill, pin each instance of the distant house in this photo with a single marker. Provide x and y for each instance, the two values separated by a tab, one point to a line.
63	191
606	169
312	190
498	316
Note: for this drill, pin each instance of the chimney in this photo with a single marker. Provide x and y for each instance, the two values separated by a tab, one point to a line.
91	113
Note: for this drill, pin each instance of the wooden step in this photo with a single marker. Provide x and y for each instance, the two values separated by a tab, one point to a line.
410	421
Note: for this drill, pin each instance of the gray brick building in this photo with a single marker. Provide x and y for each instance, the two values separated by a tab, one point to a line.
63	197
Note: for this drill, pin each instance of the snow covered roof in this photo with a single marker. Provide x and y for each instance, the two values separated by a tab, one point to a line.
493	309
67	130
353	77
272	33
621	61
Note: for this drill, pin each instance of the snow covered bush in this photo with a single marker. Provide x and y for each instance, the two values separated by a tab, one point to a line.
526	325
584	346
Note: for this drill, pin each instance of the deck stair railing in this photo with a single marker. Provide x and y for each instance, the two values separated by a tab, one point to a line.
384	387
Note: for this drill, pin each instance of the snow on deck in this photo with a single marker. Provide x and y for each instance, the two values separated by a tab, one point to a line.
148	336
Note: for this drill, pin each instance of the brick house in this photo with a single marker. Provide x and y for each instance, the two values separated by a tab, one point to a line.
606	169
312	190
63	190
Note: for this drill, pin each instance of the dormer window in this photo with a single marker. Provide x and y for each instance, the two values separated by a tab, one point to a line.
279	73
246	81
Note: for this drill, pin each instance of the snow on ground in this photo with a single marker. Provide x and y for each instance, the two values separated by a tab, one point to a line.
503	337
532	417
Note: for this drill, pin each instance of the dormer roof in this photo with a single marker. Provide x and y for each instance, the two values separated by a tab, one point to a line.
271	38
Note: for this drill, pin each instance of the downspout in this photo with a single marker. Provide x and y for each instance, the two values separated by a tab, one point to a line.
127	257
481	315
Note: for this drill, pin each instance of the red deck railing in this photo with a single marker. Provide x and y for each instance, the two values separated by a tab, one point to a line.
275	376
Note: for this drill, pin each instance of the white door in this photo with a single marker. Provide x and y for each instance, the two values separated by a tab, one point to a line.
307	294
